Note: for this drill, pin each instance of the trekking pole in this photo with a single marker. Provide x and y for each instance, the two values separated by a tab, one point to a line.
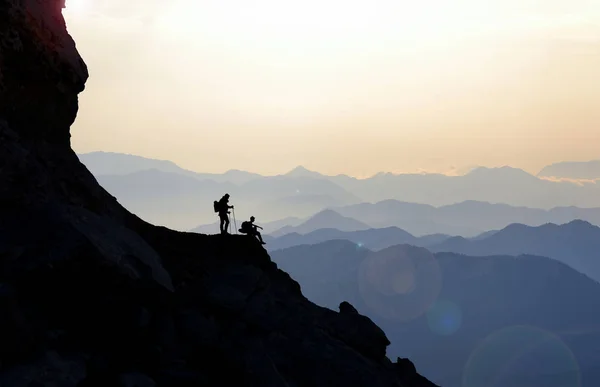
234	221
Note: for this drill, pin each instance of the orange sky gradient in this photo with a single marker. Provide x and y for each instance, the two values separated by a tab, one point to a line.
352	87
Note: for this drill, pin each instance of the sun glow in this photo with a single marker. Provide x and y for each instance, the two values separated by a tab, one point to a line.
330	19
339	24
305	58
464	80
77	7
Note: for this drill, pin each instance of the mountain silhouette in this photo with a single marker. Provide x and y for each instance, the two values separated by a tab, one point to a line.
300	171
235	176
290	186
478	237
154	183
302	205
576	244
448	204
501	175
372	239
111	163
92	295
323	219
521	321
572	170
183	201
469	218
495	185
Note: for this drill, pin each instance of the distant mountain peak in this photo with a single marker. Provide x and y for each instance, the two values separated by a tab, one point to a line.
580	223
301	171
239	172
327	214
573	223
325	219
330	217
572	170
504	168
505	172
124	156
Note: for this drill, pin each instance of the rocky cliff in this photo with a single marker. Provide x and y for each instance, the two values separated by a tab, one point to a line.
91	295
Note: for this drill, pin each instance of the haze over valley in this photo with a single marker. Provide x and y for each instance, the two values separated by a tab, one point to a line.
466	205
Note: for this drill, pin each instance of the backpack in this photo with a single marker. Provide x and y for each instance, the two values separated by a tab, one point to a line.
246	227
216	206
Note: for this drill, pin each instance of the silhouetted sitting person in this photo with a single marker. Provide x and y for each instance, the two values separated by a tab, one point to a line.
248	227
222	207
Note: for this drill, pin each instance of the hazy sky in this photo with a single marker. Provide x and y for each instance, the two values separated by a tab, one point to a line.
340	86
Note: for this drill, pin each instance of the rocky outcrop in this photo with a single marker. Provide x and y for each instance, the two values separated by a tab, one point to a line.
90	295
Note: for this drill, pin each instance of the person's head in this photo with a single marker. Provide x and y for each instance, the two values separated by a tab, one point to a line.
252	218
226	196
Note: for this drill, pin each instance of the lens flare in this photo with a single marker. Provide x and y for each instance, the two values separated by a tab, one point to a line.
400	283
511	356
444	318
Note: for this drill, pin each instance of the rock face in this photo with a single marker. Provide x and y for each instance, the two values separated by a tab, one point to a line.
90	295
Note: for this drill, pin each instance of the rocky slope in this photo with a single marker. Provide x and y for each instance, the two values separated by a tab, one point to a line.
91	295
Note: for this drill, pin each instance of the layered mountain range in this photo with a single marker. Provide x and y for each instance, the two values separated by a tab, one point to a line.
483	199
470	321
575	243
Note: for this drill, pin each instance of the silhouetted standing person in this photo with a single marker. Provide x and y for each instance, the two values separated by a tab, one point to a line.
248	227
223	208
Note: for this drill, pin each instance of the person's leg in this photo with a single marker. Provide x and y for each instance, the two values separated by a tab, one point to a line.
221	222
224	224
260	237
226	228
